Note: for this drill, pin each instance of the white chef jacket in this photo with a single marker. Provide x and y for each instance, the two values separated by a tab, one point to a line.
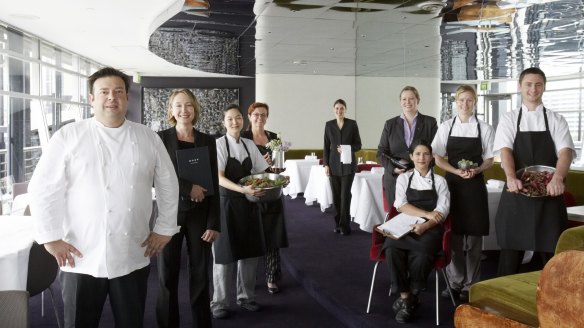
259	164
93	188
423	183
465	130
533	121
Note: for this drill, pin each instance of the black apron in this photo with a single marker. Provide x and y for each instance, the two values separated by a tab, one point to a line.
531	223
469	205
241	232
430	241
272	216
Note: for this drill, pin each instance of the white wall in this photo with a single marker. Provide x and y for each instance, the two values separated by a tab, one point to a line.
301	104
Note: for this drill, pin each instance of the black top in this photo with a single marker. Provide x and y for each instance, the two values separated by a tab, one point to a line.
333	137
172	144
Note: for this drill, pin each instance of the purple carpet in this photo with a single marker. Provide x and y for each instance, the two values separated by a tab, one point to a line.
326	280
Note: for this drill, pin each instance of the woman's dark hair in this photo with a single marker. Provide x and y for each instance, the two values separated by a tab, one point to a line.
419	142
340	101
232	106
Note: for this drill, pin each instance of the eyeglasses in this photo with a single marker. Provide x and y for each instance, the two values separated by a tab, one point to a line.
256	115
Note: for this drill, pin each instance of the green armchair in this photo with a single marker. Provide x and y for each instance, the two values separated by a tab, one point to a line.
553	297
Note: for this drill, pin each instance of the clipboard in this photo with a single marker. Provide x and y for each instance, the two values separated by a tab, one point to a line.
194	165
399	225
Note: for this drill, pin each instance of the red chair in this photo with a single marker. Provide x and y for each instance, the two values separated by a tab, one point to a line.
441	261
366	167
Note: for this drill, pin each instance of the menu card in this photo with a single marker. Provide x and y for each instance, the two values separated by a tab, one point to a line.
194	166
399	226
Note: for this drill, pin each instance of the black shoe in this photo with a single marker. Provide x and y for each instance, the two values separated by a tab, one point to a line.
273	290
402	303
446	294
337	230
463	297
251	306
404	315
219	314
345	231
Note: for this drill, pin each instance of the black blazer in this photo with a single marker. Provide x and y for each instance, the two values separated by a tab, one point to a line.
211	203
393	143
333	136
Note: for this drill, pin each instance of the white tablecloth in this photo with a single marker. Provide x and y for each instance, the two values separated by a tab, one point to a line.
367	200
318	188
493	196
15	241
299	171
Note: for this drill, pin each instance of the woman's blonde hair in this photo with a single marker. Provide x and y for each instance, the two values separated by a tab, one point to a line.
170	118
466	88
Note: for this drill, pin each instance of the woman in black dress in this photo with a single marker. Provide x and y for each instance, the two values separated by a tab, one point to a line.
198	218
421	193
397	136
272	213
341	132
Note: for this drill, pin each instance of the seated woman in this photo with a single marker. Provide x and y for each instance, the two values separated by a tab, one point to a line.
419	193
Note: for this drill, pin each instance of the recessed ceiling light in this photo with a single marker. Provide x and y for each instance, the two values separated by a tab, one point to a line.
300	62
25	16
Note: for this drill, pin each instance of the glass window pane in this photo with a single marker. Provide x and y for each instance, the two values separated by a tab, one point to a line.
69	87
48	54
48	81
30	47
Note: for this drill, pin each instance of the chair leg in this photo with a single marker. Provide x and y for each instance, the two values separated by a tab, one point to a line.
437	306
372	284
42	304
448	286
55	307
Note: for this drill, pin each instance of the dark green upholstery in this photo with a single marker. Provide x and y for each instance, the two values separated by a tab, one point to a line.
514	296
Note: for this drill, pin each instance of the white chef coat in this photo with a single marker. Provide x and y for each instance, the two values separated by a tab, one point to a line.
93	188
423	183
236	149
466	130
533	121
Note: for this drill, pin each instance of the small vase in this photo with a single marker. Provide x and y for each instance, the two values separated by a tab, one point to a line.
278	159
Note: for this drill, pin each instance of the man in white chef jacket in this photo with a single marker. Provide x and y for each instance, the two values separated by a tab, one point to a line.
91	203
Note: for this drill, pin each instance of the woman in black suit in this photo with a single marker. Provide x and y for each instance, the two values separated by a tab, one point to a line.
397	136
272	213
198	218
337	133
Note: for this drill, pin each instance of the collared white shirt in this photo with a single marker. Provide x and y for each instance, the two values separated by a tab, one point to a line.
422	183
533	121
93	188
237	151
466	130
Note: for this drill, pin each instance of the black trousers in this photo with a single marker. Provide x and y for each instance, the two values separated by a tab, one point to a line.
341	188
85	295
409	269
193	225
510	261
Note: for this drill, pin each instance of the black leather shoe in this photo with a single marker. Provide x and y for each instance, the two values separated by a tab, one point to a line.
404	315
337	230
402	303
345	232
446	294
273	290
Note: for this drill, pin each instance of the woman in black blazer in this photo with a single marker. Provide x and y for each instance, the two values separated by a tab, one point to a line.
337	132
198	218
397	136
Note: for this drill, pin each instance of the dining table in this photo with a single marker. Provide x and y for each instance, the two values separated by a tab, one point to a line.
367	199
299	171
318	189
16	239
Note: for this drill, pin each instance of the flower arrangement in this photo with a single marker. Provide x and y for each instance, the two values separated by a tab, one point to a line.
278	144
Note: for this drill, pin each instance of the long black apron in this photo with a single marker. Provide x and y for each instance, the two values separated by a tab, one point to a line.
531	223
431	240
241	231
272	218
469	204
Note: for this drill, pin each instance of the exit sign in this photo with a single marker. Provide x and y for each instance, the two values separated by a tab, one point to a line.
484	86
